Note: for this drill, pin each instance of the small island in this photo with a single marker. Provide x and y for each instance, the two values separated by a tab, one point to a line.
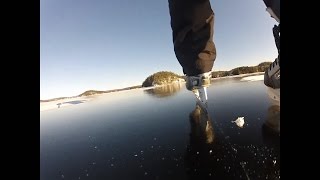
162	78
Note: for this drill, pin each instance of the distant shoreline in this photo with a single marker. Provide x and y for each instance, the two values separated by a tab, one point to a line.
137	87
240	75
92	92
70	101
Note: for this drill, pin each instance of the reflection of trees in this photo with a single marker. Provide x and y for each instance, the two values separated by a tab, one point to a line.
271	137
271	127
273	118
165	90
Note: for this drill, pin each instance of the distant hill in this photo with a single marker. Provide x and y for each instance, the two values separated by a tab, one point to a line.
55	99
242	70
92	92
161	78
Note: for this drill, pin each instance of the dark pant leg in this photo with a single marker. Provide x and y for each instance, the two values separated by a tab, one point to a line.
274	5
192	24
276	35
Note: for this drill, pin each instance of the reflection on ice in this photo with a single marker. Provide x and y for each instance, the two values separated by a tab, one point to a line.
165	91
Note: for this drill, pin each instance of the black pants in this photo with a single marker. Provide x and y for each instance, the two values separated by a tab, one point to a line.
274	5
192	24
192	30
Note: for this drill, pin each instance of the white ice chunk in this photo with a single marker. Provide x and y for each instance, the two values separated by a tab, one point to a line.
239	121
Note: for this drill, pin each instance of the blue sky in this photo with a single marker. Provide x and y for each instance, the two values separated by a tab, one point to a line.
107	44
